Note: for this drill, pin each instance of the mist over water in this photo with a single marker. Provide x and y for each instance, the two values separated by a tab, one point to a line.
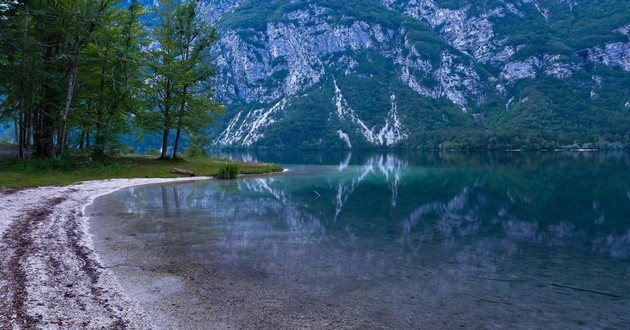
381	240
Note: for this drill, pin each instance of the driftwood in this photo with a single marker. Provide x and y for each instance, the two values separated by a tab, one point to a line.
182	171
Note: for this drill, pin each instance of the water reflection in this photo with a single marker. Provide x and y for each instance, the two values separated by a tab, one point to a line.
386	197
386	167
514	233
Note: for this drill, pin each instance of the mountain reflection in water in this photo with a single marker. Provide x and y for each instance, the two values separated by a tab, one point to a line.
494	228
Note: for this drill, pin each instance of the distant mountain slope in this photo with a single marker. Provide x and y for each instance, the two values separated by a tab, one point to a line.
422	73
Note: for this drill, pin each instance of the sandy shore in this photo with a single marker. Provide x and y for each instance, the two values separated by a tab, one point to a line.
49	275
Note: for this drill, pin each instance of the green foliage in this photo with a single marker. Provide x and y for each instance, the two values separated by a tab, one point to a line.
587	24
112	79
180	92
350	11
195	151
74	64
198	146
5	139
254	15
81	67
152	152
228	171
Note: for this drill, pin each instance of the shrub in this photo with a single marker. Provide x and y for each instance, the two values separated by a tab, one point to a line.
198	147
196	152
152	152
228	171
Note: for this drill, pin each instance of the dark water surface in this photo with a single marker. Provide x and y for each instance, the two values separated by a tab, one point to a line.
409	241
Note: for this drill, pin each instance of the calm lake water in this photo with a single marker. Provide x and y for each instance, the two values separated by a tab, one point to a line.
396	241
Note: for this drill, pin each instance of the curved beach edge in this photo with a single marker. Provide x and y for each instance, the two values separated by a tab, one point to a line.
50	276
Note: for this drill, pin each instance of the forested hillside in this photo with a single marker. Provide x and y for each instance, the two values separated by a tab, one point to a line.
422	73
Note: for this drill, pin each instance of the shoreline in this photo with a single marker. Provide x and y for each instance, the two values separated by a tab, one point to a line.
50	276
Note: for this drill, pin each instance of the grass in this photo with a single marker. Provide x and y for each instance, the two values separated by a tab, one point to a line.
71	169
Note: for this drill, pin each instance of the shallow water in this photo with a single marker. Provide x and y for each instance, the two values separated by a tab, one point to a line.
381	241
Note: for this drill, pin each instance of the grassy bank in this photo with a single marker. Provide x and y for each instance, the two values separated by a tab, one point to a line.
70	169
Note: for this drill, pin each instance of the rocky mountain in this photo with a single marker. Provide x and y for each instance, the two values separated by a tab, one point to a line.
422	73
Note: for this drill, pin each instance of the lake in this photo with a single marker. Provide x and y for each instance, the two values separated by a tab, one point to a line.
380	240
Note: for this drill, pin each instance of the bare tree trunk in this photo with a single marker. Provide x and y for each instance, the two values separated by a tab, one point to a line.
99	140
62	135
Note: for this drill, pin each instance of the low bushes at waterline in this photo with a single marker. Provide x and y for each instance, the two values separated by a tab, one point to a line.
228	171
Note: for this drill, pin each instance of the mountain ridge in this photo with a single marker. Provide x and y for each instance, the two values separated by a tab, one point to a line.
427	74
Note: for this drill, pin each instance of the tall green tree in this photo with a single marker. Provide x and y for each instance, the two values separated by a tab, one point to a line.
16	90
180	88
45	40
113	79
68	64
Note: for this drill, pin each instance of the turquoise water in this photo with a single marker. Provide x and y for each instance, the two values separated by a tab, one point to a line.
382	241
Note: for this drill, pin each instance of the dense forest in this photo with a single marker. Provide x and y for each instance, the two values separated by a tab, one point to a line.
77	74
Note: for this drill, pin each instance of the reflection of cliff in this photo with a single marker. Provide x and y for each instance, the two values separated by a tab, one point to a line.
550	207
457	217
262	186
387	167
391	235
477	211
556	204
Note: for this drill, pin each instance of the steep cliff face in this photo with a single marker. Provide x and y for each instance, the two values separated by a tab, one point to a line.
403	73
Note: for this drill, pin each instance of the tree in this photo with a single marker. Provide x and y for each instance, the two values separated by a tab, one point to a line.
15	90
181	91
113	77
67	65
76	66
44	41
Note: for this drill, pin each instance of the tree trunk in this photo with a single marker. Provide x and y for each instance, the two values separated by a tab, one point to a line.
82	140
99	143
167	119
21	135
43	121
176	144
21	139
63	129
182	112
16	129
44	134
165	134
44	118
